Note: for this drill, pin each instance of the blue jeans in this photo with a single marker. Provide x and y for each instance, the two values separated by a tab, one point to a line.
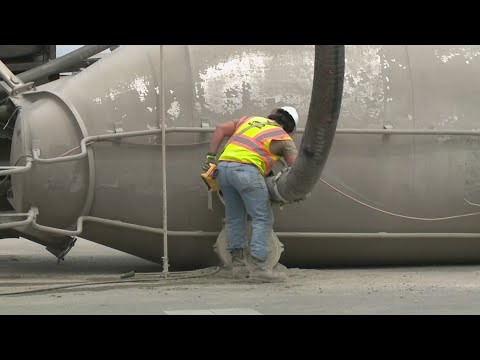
245	191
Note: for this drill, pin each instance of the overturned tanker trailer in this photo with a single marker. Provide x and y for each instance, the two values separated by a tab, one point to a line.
96	160
89	153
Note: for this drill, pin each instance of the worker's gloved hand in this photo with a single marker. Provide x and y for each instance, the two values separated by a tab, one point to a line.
211	159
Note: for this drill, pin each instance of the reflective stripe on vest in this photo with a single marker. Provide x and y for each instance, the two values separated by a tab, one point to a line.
257	148
269	133
251	142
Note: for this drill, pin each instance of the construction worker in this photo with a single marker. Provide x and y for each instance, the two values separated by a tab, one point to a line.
255	144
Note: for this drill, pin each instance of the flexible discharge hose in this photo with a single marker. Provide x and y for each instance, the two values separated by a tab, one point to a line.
327	90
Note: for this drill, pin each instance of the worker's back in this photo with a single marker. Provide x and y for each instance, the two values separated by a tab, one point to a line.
251	143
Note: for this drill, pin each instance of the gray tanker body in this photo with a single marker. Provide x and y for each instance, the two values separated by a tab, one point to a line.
386	89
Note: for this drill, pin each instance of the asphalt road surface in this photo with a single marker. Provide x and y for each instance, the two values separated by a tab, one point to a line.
89	282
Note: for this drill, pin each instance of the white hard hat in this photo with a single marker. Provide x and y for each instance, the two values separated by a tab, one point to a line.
293	113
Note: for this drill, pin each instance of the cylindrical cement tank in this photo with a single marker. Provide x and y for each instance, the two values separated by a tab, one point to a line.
387	88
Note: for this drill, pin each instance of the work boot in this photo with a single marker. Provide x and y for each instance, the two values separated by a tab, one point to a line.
259	271
239	263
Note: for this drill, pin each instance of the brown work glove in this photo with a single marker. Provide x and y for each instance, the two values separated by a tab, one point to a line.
211	159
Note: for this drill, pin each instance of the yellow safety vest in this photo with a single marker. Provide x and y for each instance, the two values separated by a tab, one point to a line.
250	144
